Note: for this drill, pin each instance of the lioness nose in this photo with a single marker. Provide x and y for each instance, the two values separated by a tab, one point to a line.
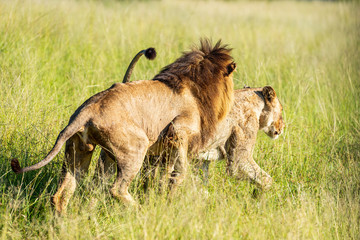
276	133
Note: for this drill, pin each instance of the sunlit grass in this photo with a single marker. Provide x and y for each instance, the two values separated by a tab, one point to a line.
56	54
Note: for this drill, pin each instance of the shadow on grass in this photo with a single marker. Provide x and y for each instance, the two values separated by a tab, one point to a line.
347	175
26	193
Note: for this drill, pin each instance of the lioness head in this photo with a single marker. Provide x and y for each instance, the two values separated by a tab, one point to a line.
271	121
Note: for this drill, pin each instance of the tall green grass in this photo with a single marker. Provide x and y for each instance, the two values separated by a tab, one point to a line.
56	54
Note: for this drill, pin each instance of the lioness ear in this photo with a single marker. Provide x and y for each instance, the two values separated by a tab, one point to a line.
269	93
231	68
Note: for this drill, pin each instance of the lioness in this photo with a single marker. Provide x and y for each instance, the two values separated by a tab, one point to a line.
254	109
187	98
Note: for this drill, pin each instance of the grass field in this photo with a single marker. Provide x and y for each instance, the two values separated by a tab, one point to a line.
56	54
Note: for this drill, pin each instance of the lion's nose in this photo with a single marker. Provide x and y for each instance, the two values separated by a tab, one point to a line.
276	133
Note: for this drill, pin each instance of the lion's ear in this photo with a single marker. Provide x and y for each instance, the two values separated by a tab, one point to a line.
269	93
231	68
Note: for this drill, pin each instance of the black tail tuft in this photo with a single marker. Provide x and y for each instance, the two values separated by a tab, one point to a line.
15	166
150	53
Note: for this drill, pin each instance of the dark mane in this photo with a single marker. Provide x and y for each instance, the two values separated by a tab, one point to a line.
200	65
205	71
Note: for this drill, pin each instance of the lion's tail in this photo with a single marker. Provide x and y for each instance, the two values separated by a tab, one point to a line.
73	127
150	54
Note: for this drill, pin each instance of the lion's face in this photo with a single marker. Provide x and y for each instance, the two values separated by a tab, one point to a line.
276	122
272	122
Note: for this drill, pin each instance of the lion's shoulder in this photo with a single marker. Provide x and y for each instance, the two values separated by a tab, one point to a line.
205	72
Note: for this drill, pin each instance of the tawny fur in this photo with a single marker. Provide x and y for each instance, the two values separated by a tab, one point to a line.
254	109
126	119
199	64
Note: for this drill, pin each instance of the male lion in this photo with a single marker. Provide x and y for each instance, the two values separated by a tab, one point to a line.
187	98
254	109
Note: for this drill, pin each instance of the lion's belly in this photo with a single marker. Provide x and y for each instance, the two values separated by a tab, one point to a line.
212	149
211	155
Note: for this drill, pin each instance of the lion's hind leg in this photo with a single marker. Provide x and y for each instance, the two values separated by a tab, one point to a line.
125	174
129	160
77	161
